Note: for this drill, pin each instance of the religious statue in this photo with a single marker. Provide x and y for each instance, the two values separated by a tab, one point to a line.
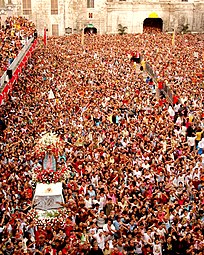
49	147
49	162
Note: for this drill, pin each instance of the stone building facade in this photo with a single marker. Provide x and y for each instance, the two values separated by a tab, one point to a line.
70	16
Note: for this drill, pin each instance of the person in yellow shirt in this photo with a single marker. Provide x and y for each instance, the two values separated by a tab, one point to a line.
199	133
190	117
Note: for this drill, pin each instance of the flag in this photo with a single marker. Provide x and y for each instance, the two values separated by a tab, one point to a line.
82	37
45	37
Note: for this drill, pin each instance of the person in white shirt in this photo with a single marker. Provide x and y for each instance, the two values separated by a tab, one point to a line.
88	201
93	230
181	178
191	142
102	201
176	107
109	229
145	164
178	121
147	237
138	246
137	172
171	112
157	248
94	180
100	238
161	231
196	173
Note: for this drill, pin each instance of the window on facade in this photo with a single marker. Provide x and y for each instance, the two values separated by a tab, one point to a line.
68	30
90	3
90	15
54	6
2	3
27	7
55	29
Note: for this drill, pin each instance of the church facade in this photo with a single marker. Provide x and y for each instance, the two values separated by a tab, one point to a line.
62	17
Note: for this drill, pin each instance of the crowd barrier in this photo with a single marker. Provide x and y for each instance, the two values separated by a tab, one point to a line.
167	91
10	76
150	71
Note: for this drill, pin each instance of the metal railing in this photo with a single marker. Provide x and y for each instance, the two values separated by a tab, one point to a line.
168	93
150	71
14	65
165	89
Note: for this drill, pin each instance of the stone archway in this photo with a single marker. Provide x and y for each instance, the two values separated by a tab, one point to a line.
153	24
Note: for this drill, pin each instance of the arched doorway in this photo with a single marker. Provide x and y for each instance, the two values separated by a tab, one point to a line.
152	24
90	29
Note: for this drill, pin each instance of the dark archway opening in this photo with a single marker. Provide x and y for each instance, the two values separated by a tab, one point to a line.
90	30
153	25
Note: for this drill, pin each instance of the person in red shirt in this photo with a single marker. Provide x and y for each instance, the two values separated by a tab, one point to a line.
40	234
49	250
175	99
83	188
116	252
28	192
68	227
164	197
196	182
66	249
181	200
160	85
147	250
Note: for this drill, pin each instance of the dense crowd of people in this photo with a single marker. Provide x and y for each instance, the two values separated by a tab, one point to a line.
136	179
151	29
14	33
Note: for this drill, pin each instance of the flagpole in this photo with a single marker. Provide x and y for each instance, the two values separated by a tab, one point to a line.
174	35
82	37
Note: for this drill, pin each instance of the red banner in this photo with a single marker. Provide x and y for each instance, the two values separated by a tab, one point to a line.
1	99
45	37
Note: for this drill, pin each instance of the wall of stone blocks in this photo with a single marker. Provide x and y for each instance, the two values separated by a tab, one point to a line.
107	14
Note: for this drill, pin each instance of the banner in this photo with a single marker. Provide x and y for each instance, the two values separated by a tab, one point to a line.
47	203
1	99
45	37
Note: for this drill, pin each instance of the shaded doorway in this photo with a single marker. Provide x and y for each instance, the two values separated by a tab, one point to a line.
90	29
152	25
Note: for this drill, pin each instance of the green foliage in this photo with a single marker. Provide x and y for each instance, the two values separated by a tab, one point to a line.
51	214
121	29
184	29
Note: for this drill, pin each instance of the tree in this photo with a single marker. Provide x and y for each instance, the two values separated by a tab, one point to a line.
121	29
